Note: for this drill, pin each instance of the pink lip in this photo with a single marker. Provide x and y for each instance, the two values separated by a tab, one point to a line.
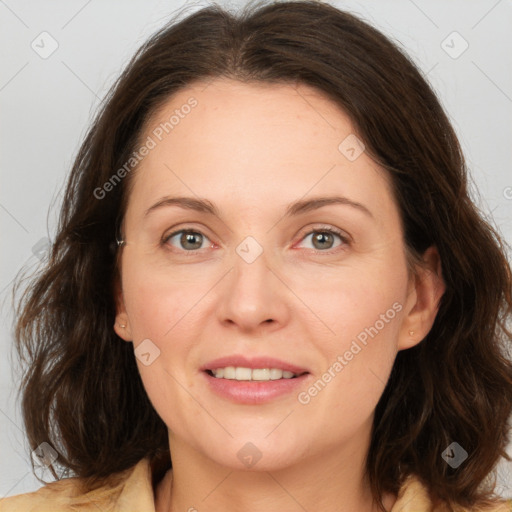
254	392
255	362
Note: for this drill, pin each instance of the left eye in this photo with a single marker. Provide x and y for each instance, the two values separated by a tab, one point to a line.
323	237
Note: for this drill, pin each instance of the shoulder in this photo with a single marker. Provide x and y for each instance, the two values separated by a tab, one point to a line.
414	497
63	495
131	491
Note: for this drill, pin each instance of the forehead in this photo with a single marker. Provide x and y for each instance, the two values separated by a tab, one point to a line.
248	144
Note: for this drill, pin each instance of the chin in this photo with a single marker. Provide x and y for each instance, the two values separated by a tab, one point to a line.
255	454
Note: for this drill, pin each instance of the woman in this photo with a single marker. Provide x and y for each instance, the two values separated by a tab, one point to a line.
269	270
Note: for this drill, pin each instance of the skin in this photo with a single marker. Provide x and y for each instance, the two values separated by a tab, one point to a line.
251	149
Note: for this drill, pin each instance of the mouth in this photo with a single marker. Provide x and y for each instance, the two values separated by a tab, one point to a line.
255	386
244	374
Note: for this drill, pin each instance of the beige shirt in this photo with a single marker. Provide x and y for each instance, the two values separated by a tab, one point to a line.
134	493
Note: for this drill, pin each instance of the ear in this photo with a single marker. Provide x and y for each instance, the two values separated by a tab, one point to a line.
122	324
426	288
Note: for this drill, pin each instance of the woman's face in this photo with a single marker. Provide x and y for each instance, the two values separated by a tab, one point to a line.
263	278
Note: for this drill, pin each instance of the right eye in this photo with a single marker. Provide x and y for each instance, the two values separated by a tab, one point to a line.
188	240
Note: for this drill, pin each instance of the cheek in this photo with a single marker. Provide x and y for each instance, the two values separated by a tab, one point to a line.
156	298
360	302
356	367
159	311
361	311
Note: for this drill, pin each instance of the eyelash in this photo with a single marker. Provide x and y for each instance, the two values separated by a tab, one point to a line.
343	237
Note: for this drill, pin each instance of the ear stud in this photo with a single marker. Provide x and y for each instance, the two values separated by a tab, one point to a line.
411	333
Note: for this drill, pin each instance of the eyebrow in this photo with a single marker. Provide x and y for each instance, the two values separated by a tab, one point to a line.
293	209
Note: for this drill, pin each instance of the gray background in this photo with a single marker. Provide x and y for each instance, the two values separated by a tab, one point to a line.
47	104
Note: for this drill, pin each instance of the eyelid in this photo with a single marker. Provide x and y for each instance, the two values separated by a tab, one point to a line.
319	228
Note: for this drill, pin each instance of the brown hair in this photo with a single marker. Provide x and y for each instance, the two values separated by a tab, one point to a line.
82	391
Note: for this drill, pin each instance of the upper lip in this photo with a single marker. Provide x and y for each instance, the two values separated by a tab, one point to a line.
253	362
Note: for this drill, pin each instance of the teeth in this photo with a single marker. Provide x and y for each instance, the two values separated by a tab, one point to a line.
243	373
262	374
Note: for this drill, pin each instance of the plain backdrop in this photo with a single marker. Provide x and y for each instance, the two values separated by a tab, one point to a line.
59	58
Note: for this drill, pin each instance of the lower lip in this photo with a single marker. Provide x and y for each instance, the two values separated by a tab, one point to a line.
254	392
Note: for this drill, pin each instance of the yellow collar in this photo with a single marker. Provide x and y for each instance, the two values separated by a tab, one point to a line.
134	493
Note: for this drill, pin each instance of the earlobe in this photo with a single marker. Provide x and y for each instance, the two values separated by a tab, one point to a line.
122	323
423	302
122	328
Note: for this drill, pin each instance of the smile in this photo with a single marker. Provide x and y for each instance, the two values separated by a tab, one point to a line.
258	374
273	383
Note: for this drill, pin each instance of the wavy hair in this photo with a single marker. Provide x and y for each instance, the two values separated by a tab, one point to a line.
81	390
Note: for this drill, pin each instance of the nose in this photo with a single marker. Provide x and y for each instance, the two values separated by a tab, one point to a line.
253	295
